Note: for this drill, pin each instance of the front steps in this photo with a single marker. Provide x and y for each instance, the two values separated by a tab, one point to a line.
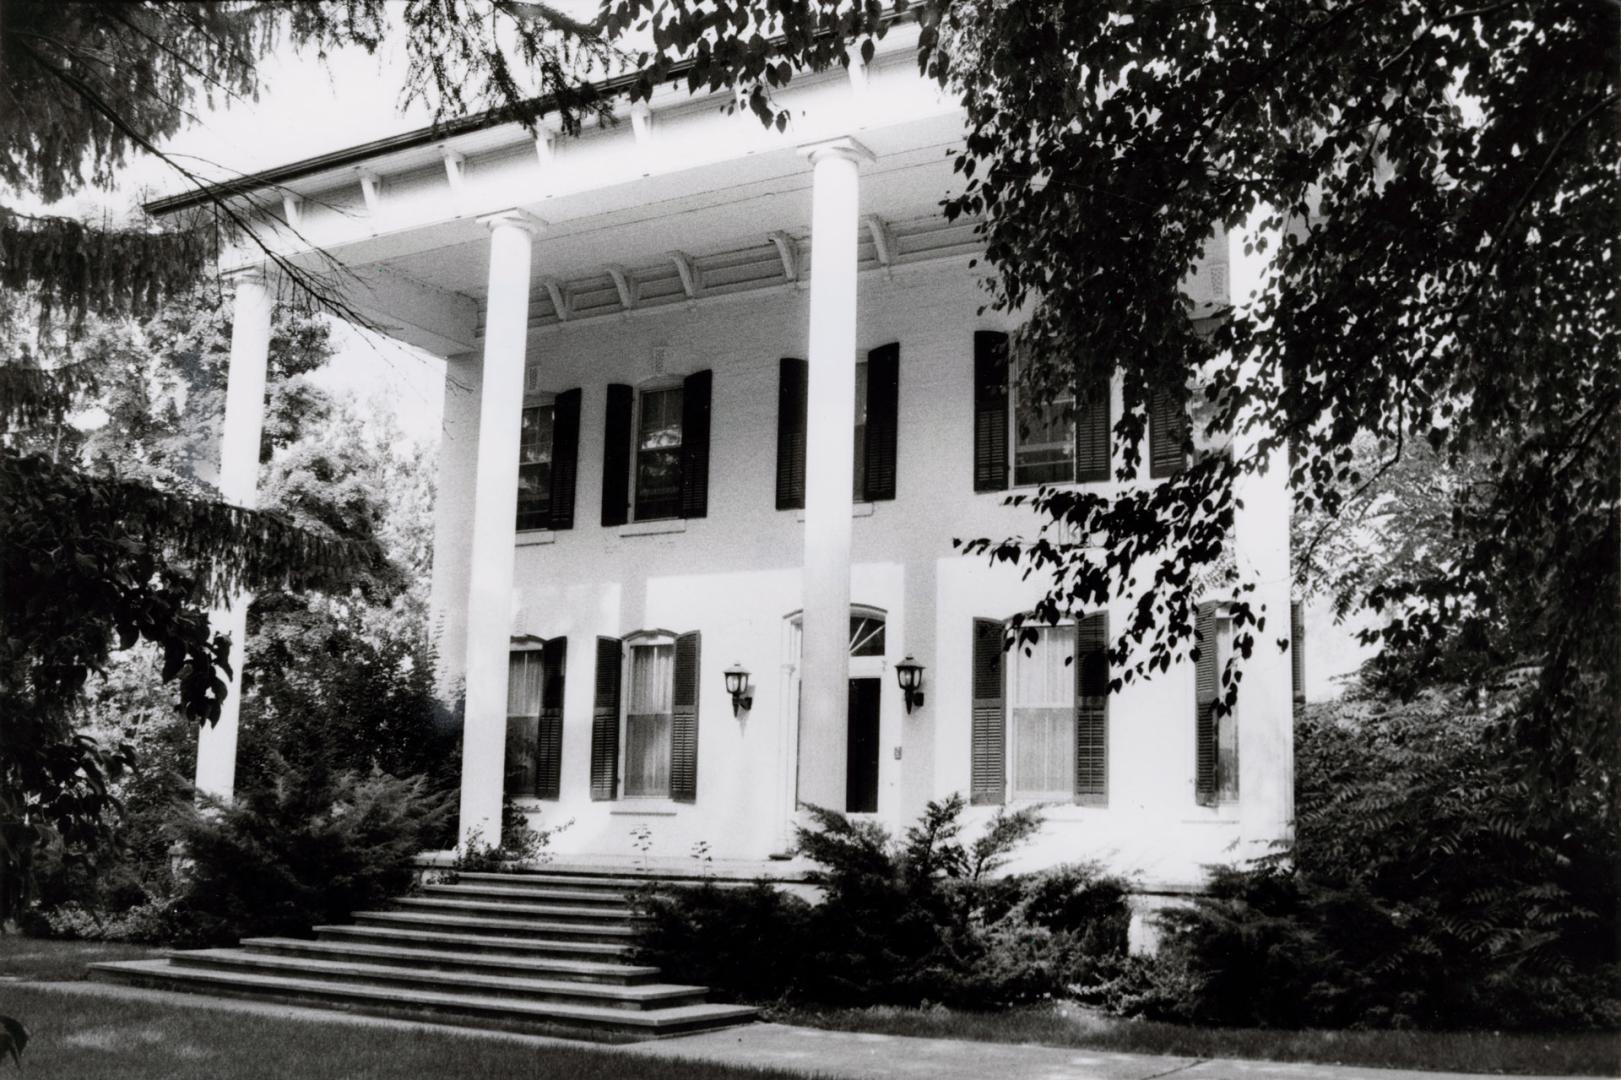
548	953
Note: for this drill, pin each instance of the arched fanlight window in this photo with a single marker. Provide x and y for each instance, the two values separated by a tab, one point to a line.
866	631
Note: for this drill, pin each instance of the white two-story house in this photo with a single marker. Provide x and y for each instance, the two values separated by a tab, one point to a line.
717	401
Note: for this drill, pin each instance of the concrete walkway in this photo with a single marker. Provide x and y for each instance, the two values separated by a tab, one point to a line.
840	1055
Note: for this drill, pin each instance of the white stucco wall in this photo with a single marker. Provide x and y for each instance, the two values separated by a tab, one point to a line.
734	576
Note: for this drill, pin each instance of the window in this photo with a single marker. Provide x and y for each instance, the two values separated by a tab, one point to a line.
1043	440
875	431
658	455
1054	443
1226	724
524	681
1215	736
535	467
648	716
1041	714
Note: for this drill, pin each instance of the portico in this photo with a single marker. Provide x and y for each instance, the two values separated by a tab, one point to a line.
633	322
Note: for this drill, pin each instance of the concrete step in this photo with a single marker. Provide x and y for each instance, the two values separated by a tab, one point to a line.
497	909
450	959
649	995
498	927
543	894
505	1013
407	937
547	880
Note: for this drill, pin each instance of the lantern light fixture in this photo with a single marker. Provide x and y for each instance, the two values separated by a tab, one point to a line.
909	673
737	685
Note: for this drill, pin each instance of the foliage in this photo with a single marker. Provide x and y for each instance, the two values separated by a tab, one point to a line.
1425	889
309	848
521	844
899	923
1435	185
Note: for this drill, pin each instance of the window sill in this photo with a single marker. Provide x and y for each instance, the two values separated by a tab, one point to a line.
860	509
637	806
531	537
654	528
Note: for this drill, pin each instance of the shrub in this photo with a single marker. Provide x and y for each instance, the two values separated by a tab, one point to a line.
310	848
521	844
900	923
1428	887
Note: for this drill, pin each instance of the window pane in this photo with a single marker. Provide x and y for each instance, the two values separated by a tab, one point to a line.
652	671
1041	698
535	437
658	455
535	467
647	754
523	683
866	636
1043	440
661	420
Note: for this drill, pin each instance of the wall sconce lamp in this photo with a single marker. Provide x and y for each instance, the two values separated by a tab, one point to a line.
737	685
909	673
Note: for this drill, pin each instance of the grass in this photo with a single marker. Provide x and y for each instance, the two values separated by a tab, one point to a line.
1565	1054
41	960
104	1038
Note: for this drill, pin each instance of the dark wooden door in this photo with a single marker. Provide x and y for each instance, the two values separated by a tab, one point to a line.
861	775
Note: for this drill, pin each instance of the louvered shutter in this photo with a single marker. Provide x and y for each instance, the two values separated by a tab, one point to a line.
684	720
1297	651
616	454
988	762
1092	710
1092	428
791	381
605	720
1207	683
990	411
883	420
565	458
549	731
1167	434
695	394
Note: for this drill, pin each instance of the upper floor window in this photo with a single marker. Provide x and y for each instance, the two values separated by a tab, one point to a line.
1023	441
535	467
875	430
658	454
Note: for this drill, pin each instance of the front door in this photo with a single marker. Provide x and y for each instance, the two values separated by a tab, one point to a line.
861	767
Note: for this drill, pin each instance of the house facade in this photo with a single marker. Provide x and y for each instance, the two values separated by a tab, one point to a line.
718	401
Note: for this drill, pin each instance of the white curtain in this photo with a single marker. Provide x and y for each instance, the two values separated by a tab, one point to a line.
1042	711
647	720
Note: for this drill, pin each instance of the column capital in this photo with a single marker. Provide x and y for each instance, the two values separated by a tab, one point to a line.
514	218
843	148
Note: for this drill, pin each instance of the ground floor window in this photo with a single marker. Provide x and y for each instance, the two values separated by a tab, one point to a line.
1041	716
648	716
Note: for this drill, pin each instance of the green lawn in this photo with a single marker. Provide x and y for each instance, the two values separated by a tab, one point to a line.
1581	1054
39	960
105	1038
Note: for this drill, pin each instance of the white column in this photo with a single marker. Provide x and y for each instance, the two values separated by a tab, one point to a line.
238	484
829	471
1266	756
495	508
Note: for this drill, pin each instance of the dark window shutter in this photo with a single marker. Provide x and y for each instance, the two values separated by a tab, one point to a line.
1167	435
605	720
791	381
988	763
883	420
695	393
616	455
990	411
1092	710
565	458
1297	651
1092	428
549	732
684	720
1207	683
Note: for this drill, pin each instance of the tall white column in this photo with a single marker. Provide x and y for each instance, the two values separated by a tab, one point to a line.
495	508
239	485
829	469
1266	754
